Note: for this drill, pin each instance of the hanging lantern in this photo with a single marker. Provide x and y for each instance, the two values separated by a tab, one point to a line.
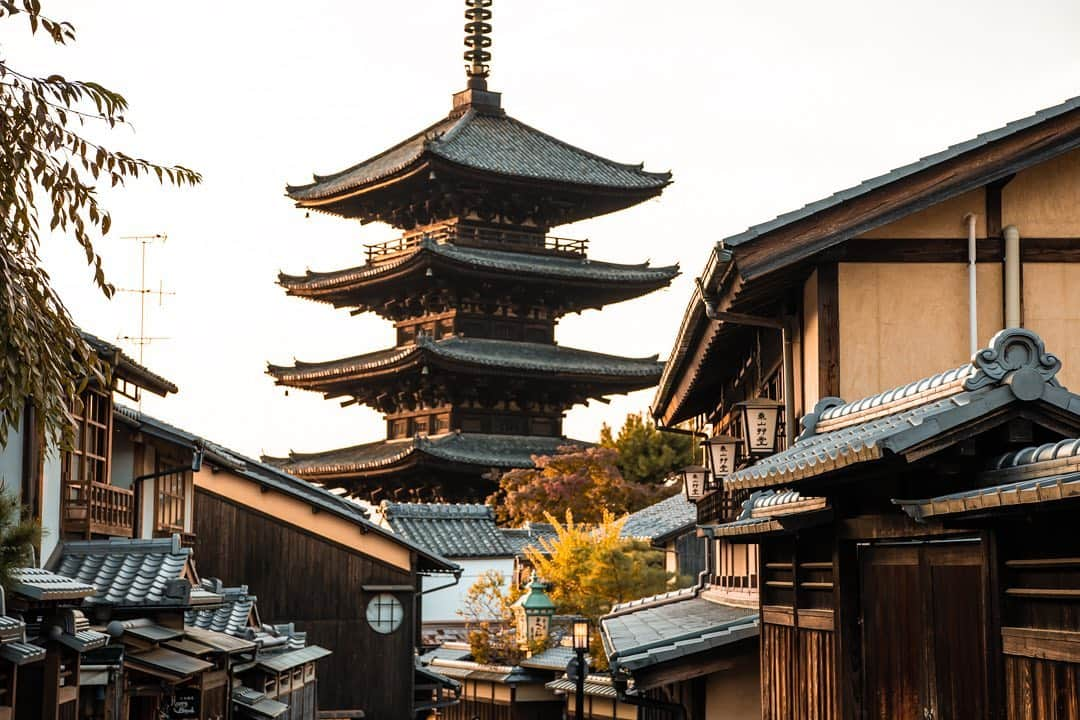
695	482
720	455
760	423
533	612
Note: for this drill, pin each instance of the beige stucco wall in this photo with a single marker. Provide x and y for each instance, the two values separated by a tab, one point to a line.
1044	201
1052	309
944	220
902	322
809	343
734	694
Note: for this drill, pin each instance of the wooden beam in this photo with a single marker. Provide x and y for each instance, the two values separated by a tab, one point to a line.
993	162
828	330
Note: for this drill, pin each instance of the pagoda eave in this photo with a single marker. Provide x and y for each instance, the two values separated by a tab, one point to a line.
563	284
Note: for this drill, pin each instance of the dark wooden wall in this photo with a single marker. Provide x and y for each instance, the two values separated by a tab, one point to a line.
301	578
1040	618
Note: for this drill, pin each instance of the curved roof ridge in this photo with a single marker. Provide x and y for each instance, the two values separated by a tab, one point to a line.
290	190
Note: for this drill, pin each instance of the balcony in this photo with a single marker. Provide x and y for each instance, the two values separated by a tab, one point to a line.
482	237
95	509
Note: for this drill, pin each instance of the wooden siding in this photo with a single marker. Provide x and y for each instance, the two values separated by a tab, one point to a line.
299	577
778	676
816	663
1041	689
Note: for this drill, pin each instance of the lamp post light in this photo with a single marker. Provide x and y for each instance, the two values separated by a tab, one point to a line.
695	482
580	635
533	612
760	423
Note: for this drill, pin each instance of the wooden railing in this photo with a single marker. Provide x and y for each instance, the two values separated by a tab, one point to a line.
100	509
475	236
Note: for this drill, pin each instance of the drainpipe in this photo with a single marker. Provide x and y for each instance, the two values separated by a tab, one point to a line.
973	301
785	338
1012	277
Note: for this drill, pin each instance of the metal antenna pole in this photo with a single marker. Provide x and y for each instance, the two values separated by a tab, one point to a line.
142	340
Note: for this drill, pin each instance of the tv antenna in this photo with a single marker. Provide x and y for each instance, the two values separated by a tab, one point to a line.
141	340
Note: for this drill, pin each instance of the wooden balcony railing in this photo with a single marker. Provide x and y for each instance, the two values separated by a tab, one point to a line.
99	509
472	236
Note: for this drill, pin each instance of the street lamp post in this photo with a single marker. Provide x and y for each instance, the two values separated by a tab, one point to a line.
581	646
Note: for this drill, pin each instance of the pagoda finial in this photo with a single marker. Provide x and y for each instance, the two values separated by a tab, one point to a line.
477	40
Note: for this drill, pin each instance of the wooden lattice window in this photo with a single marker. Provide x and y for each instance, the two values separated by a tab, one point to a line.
88	459
170	511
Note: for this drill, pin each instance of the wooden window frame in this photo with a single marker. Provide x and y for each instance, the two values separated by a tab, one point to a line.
170	496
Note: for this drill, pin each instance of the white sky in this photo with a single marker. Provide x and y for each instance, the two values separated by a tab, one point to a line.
757	108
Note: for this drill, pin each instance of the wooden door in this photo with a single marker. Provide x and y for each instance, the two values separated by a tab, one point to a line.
923	615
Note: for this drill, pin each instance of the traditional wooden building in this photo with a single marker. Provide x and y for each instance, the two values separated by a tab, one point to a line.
917	552
475	286
895	278
285	537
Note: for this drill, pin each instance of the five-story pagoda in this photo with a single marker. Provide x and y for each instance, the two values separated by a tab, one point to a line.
476	383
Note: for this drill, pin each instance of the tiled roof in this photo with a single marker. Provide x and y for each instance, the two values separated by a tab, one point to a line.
270	476
167	661
233	616
280	662
482	450
21	653
492	143
252	703
768	511
500	355
529	535
554	658
129	572
595	686
518	264
40	584
453	531
127	368
903	172
662	519
669	628
1036	491
1015	367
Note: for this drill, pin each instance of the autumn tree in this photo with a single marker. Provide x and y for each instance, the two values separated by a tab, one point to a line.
49	172
583	481
590	568
645	453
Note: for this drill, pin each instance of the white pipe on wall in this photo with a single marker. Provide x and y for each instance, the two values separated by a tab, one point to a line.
973	295
1012	276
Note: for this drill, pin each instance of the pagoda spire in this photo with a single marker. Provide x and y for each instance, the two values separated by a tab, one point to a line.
477	40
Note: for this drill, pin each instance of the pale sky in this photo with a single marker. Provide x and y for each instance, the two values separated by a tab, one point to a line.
756	107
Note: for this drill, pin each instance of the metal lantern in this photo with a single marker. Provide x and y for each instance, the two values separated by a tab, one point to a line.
581	633
720	452
695	482
533	612
760	423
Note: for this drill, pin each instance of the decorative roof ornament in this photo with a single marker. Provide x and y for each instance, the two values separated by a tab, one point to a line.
477	40
1016	357
810	420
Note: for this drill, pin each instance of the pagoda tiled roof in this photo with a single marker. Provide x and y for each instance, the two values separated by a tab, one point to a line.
501	261
662	519
477	449
492	143
506	355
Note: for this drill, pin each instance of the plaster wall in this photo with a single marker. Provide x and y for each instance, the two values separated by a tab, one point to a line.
1044	201
809	345
11	461
1051	307
122	473
443	606
902	322
50	504
734	694
944	220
